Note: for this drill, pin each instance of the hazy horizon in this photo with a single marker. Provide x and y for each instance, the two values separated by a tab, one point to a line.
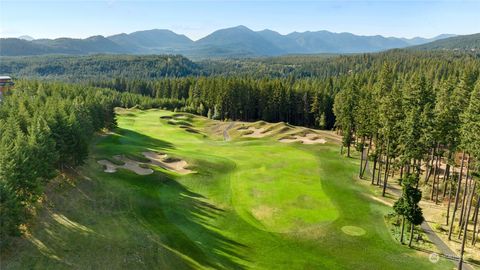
197	19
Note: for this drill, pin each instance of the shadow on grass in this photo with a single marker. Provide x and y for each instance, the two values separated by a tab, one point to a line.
128	140
185	223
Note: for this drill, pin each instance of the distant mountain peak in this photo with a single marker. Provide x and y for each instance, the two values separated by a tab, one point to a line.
26	37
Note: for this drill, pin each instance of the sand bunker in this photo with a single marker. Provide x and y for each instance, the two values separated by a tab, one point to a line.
162	160
140	168
353	230
310	138
129	164
256	132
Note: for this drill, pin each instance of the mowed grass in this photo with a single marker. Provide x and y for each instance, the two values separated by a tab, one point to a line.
252	204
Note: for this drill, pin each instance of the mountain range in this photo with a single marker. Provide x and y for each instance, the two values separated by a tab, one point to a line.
237	41
464	43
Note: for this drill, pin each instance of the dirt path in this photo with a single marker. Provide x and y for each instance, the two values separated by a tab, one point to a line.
442	247
226	137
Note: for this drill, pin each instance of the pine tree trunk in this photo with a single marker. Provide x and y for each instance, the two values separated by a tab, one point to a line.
374	168
428	168
403	229
450	196
436	179
379	173
438	189
457	194
434	161
411	235
460	262
467	186
446	175
475	219
366	157
361	158
437	176
401	171
462	212
472	191
386	169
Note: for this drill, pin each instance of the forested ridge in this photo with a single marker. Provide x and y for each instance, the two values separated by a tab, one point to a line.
77	69
152	67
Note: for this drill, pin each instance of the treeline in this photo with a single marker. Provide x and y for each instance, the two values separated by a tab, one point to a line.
426	131
46	128
306	102
79	68
153	67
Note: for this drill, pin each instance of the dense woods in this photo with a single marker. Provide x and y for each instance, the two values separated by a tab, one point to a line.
424	129
46	128
77	69
152	67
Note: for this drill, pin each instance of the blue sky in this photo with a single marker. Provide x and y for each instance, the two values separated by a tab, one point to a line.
80	19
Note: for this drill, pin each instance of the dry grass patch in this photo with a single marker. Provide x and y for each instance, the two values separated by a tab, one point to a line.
264	212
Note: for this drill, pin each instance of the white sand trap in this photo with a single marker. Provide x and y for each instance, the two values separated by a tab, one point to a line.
353	230
256	132
178	166
310	138
131	165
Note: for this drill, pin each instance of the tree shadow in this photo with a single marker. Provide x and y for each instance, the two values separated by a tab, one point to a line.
123	141
185	223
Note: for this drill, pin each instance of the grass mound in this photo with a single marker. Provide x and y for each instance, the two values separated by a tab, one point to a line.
192	130
183	123
353	230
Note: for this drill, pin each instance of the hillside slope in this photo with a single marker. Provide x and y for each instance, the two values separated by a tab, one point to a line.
463	43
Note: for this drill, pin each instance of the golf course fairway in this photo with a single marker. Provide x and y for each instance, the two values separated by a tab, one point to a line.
248	203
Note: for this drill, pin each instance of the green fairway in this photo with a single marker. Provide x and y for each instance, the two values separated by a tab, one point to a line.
252	203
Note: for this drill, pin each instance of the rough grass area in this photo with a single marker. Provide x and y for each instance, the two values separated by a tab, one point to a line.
252	204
